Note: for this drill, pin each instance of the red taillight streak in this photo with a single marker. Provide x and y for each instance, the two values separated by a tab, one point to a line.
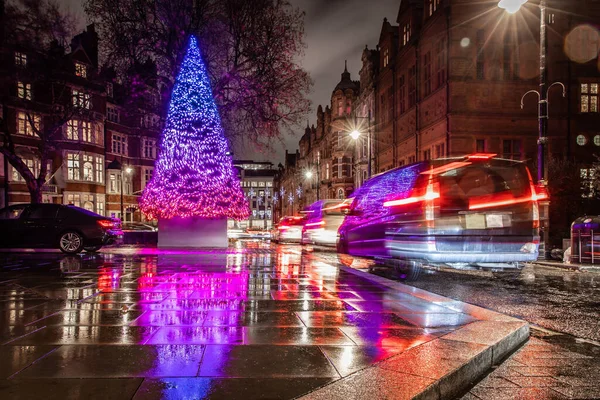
412	199
106	224
482	156
315	224
501	203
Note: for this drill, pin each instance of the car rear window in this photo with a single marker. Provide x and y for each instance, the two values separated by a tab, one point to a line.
335	209
485	179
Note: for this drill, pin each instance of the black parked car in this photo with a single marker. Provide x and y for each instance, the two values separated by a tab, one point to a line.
71	229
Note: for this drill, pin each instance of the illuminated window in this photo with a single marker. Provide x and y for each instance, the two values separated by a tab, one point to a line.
81	70
25	121
88	168
109	89
433	6
20	59
340	194
33	166
327	171
81	99
386	57
406	33
24	90
74	199
589	97
99	169
73	171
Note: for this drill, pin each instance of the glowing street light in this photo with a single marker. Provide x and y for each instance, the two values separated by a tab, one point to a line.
308	174
355	134
511	6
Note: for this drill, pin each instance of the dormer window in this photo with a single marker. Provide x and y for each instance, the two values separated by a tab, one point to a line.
386	57
406	34
81	70
20	59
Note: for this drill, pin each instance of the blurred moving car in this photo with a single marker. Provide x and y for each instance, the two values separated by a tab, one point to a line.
323	218
71	229
289	230
476	210
138	227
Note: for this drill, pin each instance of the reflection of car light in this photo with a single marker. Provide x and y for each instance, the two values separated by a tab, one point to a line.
500	203
315	225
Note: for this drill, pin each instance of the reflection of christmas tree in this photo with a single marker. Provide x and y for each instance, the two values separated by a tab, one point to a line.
194	177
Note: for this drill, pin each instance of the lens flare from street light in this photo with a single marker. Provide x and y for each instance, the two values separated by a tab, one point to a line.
355	134
511	6
309	174
128	170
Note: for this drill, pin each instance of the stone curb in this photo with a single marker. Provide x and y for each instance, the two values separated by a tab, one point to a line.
571	267
442	368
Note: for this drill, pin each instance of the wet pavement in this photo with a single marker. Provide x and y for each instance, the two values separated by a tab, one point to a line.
556	299
562	361
256	321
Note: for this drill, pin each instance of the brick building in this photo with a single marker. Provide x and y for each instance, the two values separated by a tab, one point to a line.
447	79
105	128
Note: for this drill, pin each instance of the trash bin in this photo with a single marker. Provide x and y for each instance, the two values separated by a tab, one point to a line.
585	240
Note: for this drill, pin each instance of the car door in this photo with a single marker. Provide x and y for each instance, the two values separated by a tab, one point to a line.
11	226
41	225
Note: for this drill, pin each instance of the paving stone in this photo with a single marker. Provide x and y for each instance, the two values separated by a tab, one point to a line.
517	394
349	359
227	389
373	383
266	361
15	358
69	389
117	362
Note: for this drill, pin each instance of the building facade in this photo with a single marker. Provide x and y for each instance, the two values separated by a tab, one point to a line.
447	79
257	180
103	143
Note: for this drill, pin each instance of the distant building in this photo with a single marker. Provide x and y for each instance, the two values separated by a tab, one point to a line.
256	178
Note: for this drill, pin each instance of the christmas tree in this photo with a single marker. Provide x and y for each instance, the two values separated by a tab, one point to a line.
193	175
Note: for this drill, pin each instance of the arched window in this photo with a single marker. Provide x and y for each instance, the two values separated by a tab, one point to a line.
88	205
340	194
88	171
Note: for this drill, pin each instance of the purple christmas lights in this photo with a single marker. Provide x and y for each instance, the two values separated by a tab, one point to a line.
194	177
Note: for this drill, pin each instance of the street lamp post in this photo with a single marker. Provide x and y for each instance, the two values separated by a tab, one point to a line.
355	134
512	6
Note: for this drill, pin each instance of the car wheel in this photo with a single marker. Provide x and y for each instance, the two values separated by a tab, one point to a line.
92	249
70	242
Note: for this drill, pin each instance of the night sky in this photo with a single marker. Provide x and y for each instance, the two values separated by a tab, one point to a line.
336	30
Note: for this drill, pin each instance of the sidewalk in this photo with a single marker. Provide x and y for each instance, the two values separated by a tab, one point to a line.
256	321
572	267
